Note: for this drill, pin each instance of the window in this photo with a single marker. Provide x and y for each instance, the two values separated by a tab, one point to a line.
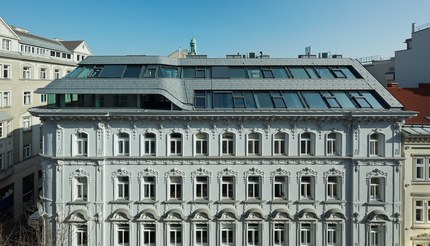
422	169
43	98
2	162
149	235
253	144
27	97
422	211
376	189
307	187
279	234
6	43
123	144
280	188
26	72
227	187
175	186
333	187
5	72
333	235
123	187
201	188
279	144
149	144
175	144
201	235
227	143
57	73
202	144
5	99
43	73
175	235
149	188
82	144
377	235
81	235
227	235
333	147
253	188
306	145
81	188
123	235
26	123
1	130
375	144
306	234
253	234
26	151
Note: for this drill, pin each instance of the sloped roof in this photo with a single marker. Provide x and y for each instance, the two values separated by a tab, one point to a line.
416	99
31	39
72	45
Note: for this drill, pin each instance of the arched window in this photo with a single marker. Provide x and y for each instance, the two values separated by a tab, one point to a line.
82	144
280	144
254	144
149	144
201	144
123	144
307	144
227	144
376	146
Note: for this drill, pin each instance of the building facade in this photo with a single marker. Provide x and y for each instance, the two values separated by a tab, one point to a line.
27	62
142	150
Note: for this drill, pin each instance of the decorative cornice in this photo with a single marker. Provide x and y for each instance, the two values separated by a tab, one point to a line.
279	172
375	173
305	171
251	172
227	172
333	172
80	173
201	172
121	172
173	172
147	172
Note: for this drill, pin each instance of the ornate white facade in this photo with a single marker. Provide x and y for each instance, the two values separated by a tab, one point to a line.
202	172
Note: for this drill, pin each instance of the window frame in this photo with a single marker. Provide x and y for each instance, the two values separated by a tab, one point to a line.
425	166
202	228
336	187
334	144
26	151
27	98
378	235
280	230
309	231
307	144
205	192
309	192
81	232
176	141
178	228
253	144
283	184
178	191
230	239
81	188
149	188
5	70
377	190
376	144
81	144
255	230
280	144
149	144
149	231
122	187
26	72
228	143
125	229
122	144
254	188
225	185
201	144
337	234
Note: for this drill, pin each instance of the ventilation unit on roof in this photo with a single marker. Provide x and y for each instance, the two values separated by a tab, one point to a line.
336	56
324	55
251	55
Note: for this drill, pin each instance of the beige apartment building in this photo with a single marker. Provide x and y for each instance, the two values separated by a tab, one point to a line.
27	62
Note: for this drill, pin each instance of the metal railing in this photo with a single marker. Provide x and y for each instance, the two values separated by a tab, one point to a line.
421	27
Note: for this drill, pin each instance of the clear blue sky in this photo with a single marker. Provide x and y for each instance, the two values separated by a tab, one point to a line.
280	28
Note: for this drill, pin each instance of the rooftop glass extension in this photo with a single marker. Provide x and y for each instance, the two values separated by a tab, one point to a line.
287	99
215	72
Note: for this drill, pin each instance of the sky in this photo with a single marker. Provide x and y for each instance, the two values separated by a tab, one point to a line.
279	28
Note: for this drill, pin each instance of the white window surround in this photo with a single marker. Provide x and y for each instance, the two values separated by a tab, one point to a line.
333	189
122	188
175	235
6	44
307	234
122	144
280	143
201	188
27	97
122	234
334	144
376	144
227	144
376	235
81	188
280	233
377	189
253	234
81	235
201	234
175	188
26	72
280	187
227	234
421	168
421	212
307	187
80	143
149	188
253	143
334	234
175	145
26	151
43	73
201	144
149	144
254	179
307	143
5	72
149	235
6	98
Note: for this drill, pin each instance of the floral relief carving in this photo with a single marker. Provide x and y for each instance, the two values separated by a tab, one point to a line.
333	172
147	172
121	172
279	172
375	173
173	172
80	173
305	171
253	171
201	172
226	172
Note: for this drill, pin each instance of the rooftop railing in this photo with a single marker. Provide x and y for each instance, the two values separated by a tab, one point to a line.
421	27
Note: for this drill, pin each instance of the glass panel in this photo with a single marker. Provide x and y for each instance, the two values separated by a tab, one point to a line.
112	71
347	72
267	73
254	72
250	100
223	100
279	73
132	71
338	73
150	72
343	99
264	99
201	72
292	99
237	72
312	73
169	72
73	73
220	72
324	72
279	102
298	72
188	72
95	72
314	99
372	100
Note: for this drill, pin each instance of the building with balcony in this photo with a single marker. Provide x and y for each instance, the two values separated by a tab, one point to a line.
147	150
27	62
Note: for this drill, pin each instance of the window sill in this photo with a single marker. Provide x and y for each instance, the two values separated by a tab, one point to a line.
420	182
200	201
78	202
424	226
147	201
333	201
279	201
174	201
307	201
227	201
254	201
376	203
120	201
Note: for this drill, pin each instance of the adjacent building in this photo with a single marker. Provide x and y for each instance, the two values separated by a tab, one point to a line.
27	62
146	150
416	168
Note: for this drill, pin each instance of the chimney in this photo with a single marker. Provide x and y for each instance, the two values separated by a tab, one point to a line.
393	85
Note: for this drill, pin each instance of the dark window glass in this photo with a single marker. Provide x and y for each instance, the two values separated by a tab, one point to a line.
292	99
239	99
250	100
360	100
223	100
279	102
112	71
324	72
150	72
314	100
330	99
188	72
347	72
237	72
298	73
220	72
132	71
312	73
343	99
254	72
264	99
338	73
267	73
279	72
95	72
168	72
75	72
201	72
372	100
199	99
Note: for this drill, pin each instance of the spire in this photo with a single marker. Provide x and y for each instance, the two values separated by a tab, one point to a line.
193	46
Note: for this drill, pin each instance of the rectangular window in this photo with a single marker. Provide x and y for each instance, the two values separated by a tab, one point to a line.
123	144
227	187
253	235
279	234
377	235
149	235
227	144
1	130
306	187
419	211
254	144
175	186
6	44
81	235
26	151
57	73
149	188
227	235
305	144
5	99
306	234
175	144
82	144
280	188
333	185
81	188
123	187
123	235
26	72
422	169
201	144
175	235
43	73
149	144
201	235
376	189
202	189
279	147
254	187
43	98
333	235
26	123
5	72
27	97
